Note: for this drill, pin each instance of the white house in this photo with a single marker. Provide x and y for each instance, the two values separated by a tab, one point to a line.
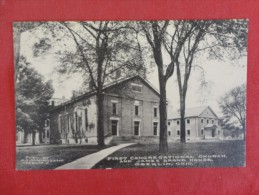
201	123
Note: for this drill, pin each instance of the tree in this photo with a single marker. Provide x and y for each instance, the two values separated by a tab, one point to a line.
100	49
18	28
170	37
32	99
188	35
218	38
233	106
155	33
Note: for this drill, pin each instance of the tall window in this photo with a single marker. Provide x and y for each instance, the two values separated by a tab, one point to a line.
178	122
136	110
59	123
76	121
208	121
79	119
68	123
212	121
169	123
188	132
178	132
202	120
114	108
188	121
86	119
155	112
155	132
136	127
114	127
202	131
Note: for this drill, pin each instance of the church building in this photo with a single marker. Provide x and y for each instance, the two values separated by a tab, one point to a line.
131	111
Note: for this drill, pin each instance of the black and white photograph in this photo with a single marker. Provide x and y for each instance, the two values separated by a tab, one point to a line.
130	94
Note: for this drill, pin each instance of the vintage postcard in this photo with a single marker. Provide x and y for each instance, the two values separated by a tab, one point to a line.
130	94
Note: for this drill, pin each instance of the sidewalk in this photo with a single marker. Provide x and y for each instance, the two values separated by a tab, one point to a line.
87	162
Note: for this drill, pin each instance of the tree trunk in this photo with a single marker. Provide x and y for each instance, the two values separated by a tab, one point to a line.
163	146
100	127
182	120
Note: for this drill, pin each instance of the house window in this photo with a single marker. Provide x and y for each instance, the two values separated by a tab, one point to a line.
155	132
155	112
188	121
178	122
136	88
48	134
136	110
169	123
136	127
178	132
114	108
114	127
202	120
218	132
188	132
212	121
169	133
202	131
208	121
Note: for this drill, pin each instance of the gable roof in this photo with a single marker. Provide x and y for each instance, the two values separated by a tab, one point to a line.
190	112
110	85
123	80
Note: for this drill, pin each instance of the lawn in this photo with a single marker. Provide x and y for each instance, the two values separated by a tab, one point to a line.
203	154
51	156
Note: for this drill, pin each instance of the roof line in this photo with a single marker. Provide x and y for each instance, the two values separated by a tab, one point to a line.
93	92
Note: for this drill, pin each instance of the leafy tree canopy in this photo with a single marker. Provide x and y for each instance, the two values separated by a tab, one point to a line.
233	106
32	96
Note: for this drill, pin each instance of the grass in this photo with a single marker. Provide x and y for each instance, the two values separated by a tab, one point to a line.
51	156
229	154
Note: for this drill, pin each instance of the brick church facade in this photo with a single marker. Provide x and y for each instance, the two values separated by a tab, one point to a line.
131	111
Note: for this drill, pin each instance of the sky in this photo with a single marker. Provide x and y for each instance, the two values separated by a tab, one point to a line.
221	77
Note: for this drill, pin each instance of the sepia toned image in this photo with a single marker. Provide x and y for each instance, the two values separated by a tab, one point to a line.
130	94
